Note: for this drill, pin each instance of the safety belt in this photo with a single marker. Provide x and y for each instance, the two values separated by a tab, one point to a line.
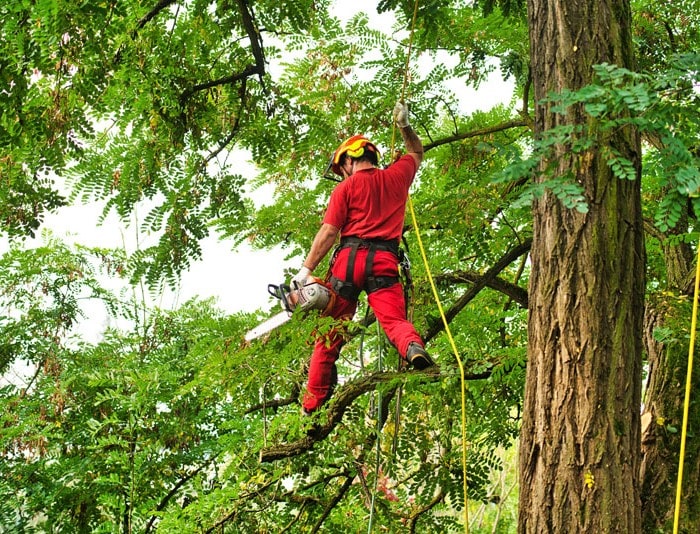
348	290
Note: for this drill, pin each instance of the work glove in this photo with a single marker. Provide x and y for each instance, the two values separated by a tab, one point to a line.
401	114
301	278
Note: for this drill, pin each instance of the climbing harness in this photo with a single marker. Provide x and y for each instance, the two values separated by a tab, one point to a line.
686	402
345	287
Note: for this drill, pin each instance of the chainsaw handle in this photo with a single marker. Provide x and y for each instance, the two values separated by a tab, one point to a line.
281	292
274	290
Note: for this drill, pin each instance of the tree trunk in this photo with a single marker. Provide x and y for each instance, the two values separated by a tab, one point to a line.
580	439
663	402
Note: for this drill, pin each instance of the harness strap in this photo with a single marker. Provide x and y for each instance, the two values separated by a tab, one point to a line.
380	244
375	283
369	262
346	288
350	271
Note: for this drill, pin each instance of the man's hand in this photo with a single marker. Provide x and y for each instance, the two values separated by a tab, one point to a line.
401	114
301	277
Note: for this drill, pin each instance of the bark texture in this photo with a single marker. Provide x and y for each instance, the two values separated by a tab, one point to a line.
580	440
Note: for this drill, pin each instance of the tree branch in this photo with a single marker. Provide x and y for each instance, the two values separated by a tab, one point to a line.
514	291
275	403
256	48
342	399
245	73
230	517
160	6
519	123
336	499
487	278
253	35
526	100
413	519
164	501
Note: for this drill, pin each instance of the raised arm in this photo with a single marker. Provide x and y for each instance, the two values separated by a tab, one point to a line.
414	146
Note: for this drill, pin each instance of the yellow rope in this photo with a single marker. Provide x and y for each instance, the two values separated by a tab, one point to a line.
686	403
459	361
437	297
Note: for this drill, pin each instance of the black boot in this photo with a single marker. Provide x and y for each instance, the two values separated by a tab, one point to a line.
417	357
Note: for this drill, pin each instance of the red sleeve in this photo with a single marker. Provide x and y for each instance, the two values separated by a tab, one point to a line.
404	170
336	213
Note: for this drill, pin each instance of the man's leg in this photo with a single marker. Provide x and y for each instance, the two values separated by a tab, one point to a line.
390	308
322	371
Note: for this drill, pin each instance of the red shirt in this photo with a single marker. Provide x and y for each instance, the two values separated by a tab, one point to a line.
371	203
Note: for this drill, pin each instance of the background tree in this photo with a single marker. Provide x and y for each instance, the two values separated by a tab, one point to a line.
669	56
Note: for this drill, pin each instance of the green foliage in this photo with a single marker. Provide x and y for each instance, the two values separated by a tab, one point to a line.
663	30
660	106
105	433
159	424
135	107
41	291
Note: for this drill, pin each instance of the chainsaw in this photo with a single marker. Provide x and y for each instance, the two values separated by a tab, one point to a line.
314	295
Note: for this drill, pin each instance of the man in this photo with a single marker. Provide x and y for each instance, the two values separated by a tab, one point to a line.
367	209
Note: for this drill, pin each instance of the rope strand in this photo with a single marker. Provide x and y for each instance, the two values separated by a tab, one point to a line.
686	402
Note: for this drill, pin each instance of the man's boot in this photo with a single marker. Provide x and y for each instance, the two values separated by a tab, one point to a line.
417	357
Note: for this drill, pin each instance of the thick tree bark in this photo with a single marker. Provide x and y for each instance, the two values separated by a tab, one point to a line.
580	440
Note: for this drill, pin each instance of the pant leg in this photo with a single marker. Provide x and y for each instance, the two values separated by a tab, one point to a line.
322	370
389	306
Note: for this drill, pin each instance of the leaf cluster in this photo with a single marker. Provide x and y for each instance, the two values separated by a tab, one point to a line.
661	107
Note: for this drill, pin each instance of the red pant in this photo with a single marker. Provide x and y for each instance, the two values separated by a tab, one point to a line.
389	307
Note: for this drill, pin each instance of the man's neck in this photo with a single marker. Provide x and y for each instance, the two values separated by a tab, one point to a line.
361	166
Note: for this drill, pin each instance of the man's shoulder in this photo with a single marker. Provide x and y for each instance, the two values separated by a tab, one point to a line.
405	165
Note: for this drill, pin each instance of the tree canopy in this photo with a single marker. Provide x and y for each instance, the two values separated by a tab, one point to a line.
170	421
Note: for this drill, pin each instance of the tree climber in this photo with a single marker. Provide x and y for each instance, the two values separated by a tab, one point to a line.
367	208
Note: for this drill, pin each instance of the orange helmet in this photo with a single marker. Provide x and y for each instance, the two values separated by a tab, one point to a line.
355	148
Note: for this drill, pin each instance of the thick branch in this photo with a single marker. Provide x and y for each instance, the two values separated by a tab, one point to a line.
160	6
256	48
490	275
514	291
343	398
276	403
250	70
253	35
